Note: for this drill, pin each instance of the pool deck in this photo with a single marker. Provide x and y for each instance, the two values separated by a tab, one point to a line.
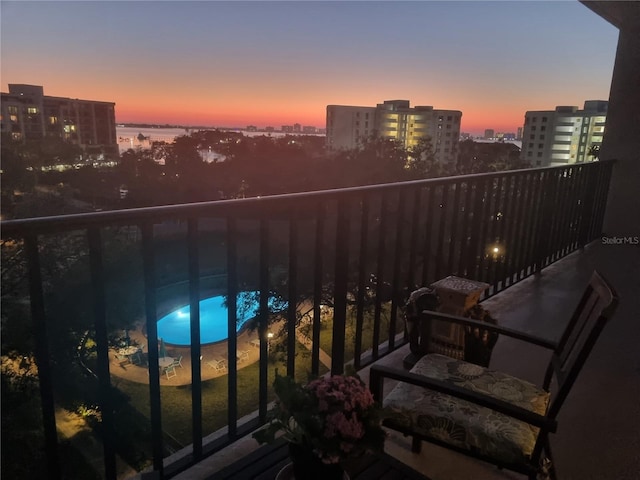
139	373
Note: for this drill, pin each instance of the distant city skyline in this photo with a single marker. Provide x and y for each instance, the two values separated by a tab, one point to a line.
233	64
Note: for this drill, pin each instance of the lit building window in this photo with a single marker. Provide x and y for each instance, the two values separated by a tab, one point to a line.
32	110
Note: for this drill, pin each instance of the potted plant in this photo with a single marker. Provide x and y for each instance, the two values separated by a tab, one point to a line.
326	422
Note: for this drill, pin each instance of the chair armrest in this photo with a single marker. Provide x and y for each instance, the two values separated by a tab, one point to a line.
378	373
427	315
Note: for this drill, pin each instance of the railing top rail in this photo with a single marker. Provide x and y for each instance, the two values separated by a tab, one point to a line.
142	215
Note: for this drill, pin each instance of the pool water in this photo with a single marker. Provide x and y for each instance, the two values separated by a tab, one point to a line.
175	328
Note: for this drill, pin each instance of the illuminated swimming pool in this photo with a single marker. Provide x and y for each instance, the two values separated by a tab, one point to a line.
175	329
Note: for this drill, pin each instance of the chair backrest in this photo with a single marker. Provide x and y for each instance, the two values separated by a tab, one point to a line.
595	308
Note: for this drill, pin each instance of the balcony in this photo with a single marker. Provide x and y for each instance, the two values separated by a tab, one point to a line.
343	261
584	446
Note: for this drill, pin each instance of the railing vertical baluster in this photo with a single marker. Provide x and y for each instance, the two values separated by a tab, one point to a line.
464	232
263	315
583	220
555	181
508	220
362	271
576	209
454	245
380	275
148	262
533	196
102	346
596	204
545	219
194	309
428	229
341	286
605	173
499	231
232	339
399	243
539	222
561	214
41	353
292	305
512	239
317	288
413	239
444	207
567	194
485	223
479	214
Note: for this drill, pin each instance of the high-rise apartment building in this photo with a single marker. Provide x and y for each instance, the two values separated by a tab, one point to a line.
28	114
489	134
349	126
565	135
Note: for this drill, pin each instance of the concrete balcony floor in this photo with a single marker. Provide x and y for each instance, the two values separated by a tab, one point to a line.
599	425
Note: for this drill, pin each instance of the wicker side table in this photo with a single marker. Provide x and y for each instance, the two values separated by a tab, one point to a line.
457	295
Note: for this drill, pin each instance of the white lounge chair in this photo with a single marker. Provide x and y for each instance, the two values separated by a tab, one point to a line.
242	355
178	362
170	371
218	365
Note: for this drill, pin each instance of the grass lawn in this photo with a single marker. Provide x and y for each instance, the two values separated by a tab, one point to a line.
176	401
326	331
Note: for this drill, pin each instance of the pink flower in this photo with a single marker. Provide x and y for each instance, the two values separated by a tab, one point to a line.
338	417
338	423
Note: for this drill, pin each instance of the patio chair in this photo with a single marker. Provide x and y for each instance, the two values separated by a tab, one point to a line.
218	365
178	362
122	360
136	358
170	371
487	414
221	366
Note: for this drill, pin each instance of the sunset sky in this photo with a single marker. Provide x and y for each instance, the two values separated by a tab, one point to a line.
277	63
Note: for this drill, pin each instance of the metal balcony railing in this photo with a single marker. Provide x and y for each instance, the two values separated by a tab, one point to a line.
358	250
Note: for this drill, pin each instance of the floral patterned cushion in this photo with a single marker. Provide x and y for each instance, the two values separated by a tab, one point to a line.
465	424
